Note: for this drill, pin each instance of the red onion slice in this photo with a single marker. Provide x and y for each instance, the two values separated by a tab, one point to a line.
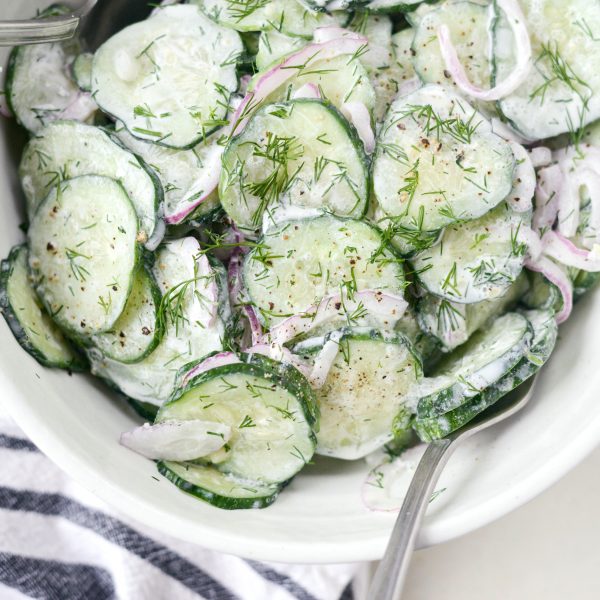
272	80
522	51
212	362
177	440
256	329
563	250
358	114
559	277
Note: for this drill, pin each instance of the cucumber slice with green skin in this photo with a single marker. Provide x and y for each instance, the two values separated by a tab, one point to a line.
269	407
169	78
545	332
485	359
30	324
298	263
187	176
186	338
138	330
219	489
83	253
468	23
273	46
477	260
286	16
453	323
145	410
302	153
583	282
67	149
393	6
35	104
562	91
365	391
438	162
82	71
340	80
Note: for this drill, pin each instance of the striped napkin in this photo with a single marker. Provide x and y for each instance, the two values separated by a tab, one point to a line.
59	542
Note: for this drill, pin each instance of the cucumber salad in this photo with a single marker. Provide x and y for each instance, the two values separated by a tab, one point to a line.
289	228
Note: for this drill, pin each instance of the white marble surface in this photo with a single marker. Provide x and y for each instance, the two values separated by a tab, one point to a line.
548	549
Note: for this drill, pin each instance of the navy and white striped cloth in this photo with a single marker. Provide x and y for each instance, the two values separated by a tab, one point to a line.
59	542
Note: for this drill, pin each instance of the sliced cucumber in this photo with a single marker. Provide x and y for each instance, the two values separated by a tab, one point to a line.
488	356
219	489
67	149
392	6
426	346
477	260
299	262
562	91
366	389
184	312
438	161
468	23
82	71
273	46
270	408
185	175
286	16
545	332
301	153
169	78
38	86
402	44
32	327
453	323
138	330
541	294
84	253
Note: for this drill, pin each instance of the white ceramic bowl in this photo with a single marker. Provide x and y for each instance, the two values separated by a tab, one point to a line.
76	421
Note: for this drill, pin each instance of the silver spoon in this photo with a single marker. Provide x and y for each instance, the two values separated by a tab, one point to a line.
391	573
94	20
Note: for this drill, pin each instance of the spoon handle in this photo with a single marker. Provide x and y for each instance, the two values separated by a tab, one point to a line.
390	575
37	31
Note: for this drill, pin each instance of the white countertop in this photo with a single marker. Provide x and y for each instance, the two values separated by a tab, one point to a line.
548	549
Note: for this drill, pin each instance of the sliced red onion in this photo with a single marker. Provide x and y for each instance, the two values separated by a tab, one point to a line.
203	187
324	360
212	362
81	109
386	308
308	90
559	277
158	234
531	239
568	202
520	198
563	250
522	50
282	355
273	79
256	329
358	114
550	182
177	440
540	156
234	278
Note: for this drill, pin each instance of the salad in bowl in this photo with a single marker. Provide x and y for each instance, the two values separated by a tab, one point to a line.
290	228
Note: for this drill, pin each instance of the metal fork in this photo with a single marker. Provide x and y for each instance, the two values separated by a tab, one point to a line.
44	30
390	575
